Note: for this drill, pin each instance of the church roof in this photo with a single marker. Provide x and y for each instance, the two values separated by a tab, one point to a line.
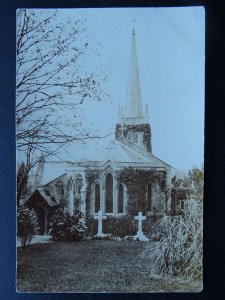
46	196
120	152
96	154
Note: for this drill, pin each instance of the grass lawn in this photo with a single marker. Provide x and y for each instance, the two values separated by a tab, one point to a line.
89	266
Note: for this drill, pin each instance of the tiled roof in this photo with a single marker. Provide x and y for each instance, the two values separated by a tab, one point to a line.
96	153
47	196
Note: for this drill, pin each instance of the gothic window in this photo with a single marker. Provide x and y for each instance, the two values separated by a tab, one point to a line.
120	198
97	197
182	205
149	197
109	194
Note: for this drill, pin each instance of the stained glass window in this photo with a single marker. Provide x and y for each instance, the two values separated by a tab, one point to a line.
120	198
109	194
97	197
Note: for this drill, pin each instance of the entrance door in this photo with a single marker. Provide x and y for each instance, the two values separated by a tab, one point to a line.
41	220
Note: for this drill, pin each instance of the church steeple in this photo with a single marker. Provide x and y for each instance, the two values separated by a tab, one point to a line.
132	124
133	107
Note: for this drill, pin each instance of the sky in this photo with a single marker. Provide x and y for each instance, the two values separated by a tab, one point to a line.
171	56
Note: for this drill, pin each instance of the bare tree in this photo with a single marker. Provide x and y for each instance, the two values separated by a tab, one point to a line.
50	82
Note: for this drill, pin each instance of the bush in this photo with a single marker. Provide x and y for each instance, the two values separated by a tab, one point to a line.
179	249
27	225
92	227
116	226
120	226
64	227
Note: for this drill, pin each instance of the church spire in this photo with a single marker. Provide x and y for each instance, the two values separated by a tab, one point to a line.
132	123
133	107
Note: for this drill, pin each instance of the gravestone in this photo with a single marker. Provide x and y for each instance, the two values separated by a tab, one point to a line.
100	217
140	235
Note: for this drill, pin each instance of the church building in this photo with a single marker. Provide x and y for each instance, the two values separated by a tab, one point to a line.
124	177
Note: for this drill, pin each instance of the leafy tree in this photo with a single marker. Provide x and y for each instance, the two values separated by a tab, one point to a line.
52	82
64	227
194	180
196	177
27	225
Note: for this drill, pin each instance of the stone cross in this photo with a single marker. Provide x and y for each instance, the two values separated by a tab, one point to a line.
140	218
100	217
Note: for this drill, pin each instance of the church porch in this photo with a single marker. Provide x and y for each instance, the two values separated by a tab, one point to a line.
43	203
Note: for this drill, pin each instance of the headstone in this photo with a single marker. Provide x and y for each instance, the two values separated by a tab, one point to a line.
140	235
100	217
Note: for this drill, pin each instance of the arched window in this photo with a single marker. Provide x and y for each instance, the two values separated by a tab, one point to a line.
109	193
120	198
149	197
97	198
182	205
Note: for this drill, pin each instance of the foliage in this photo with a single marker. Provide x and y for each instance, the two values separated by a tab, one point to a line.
137	182
92	226
115	226
27	225
144	128
196	176
179	249
120	226
194	180
64	227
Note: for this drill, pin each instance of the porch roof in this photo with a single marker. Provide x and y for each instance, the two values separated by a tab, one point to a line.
45	195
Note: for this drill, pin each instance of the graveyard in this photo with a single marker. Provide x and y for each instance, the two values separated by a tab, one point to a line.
89	266
93	265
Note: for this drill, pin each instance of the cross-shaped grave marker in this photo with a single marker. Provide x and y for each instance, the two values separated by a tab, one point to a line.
140	218
100	217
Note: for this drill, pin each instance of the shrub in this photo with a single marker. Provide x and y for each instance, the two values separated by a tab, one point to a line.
64	227
116	226
92	226
120	226
27	225
179	249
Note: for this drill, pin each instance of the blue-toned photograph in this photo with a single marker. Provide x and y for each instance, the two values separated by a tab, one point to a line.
110	149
